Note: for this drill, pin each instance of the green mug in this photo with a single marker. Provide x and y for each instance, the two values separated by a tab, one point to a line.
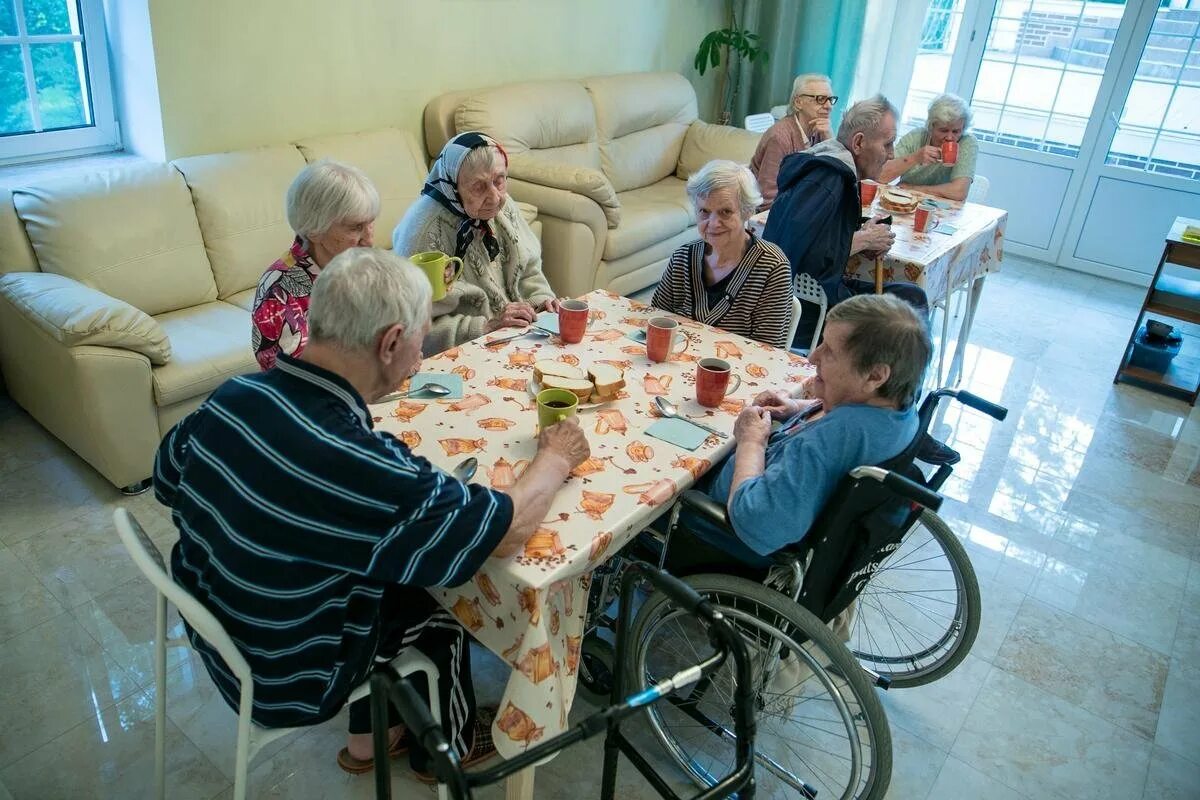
433	264
555	405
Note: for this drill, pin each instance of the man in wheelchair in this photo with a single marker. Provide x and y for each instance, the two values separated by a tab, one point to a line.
870	367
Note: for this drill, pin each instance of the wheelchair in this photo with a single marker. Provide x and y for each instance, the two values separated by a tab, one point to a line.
878	593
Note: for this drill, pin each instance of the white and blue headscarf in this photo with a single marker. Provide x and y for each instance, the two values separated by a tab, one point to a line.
442	186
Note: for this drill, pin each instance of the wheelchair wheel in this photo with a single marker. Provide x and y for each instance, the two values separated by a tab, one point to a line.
596	660
917	617
821	731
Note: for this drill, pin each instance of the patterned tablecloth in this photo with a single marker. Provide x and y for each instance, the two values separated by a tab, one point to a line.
529	609
935	261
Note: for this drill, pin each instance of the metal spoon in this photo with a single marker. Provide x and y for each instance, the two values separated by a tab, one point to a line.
466	470
535	332
668	409
431	389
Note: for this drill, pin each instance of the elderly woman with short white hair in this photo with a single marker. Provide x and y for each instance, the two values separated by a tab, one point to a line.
331	207
730	278
464	210
806	124
919	162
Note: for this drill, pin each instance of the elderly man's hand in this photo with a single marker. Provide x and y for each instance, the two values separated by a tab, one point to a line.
819	130
753	426
875	238
514	315
777	404
565	440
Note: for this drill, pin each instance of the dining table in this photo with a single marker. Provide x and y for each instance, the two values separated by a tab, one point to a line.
958	254
529	609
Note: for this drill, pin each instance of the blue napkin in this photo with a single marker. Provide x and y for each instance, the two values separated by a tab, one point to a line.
638	335
448	379
678	432
547	320
948	230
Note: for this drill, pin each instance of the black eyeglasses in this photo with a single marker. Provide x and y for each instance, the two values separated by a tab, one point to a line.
822	99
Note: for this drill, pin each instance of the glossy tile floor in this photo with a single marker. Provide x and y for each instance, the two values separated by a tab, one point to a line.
1081	513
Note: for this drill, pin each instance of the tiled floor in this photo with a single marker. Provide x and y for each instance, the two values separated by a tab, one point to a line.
1081	513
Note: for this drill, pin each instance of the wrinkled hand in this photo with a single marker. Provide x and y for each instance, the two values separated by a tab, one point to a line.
929	155
567	441
876	238
776	403
753	426
819	129
514	315
551	305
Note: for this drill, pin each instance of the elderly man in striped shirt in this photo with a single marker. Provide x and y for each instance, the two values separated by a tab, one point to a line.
310	536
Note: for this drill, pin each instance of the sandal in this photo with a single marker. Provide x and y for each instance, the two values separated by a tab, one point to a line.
357	766
482	746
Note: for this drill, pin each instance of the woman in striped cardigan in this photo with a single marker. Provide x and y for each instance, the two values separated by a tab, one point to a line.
729	279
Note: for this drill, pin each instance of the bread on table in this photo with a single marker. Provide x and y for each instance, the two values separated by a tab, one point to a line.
599	383
548	366
580	387
900	201
608	380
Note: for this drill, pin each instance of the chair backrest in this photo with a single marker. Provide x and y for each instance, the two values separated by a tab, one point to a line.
797	310
759	122
980	187
145	554
806	287
780	111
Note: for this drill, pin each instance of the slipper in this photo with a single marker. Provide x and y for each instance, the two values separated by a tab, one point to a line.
356	766
482	746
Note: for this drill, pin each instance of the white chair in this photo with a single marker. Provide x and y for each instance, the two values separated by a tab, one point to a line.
250	737
779	112
797	310
759	122
805	287
979	189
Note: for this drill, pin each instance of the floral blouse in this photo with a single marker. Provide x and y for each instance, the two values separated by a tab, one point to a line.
280	314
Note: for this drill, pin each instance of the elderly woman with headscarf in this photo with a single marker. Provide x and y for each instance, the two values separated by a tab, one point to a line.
807	124
331	207
464	210
730	278
918	159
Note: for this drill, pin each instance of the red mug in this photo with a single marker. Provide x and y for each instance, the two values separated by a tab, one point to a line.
923	220
949	152
572	320
712	381
660	339
866	192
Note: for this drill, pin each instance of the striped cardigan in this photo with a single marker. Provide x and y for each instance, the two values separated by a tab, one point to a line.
757	301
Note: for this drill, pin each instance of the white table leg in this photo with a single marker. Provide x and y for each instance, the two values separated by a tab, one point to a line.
964	333
519	786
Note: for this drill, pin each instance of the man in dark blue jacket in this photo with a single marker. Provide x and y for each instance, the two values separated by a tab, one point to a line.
815	218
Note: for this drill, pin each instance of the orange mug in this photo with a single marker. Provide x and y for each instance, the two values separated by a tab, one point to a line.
922	216
660	338
712	381
572	320
949	152
866	192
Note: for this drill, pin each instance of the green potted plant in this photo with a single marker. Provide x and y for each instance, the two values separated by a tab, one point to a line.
727	48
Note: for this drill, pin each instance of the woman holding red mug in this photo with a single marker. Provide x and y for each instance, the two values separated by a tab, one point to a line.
938	159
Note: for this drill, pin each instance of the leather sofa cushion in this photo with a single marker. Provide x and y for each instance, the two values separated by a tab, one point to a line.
239	199
705	142
130	232
641	121
16	253
648	216
75	315
391	159
243	299
546	121
210	343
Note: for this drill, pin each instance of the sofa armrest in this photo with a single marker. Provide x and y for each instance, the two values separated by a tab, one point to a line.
75	315
574	230
705	142
591	183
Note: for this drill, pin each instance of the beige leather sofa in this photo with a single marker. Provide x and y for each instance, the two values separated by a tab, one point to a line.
604	160
125	295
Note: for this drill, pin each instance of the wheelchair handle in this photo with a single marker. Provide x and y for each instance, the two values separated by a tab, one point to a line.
908	489
979	404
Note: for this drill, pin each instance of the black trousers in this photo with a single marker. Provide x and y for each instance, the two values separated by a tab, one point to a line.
412	618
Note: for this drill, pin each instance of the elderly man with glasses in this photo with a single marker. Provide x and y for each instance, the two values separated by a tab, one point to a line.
807	125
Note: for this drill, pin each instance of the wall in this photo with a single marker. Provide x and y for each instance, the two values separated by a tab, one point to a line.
135	87
235	74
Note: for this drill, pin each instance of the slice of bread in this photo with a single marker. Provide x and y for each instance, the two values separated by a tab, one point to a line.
608	380
549	366
580	387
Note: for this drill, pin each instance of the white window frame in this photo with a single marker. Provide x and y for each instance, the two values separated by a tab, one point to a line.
104	133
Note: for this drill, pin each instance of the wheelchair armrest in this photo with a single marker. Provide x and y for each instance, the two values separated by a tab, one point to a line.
697	500
900	485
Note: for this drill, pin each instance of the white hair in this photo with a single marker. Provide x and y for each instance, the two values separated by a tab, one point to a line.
361	292
865	117
723	174
327	192
480	159
947	109
802	81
